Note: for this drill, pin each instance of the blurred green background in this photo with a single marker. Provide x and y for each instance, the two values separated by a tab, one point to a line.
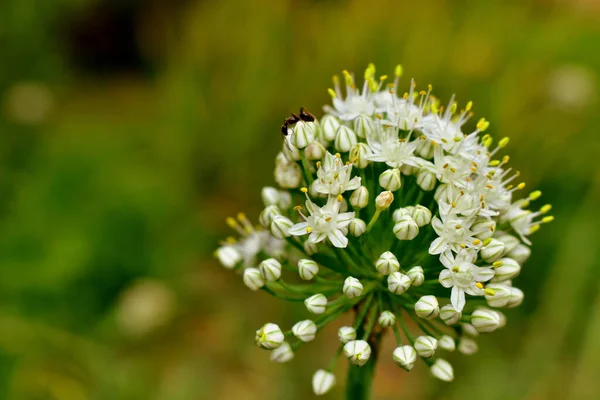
130	129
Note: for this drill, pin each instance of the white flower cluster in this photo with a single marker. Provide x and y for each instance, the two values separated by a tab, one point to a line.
406	216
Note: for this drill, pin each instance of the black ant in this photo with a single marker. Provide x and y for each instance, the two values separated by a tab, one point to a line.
291	121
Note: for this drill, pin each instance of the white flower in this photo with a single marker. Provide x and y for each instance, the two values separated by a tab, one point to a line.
282	354
270	269
463	276
427	307
387	263
253	279
405	356
346	334
442	370
453	232
416	276
449	315
358	352
305	330
406	228
322	382
386	319
390	180
352	287
269	337
393	151
316	304
467	346
334	177
324	222
228	256
426	346
485	320
447	343
360	198
398	283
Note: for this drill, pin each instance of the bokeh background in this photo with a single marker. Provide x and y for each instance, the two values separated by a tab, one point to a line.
129	130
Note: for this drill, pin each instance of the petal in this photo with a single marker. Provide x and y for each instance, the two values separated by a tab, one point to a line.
344	219
338	239
316	237
482	274
354	183
446	278
438	226
457	297
437	246
447	259
299	229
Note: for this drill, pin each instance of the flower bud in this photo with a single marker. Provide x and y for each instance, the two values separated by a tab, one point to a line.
357	352
467	346
288	176
407	170
322	382
280	226
500	296
485	320
316	304
315	151
266	216
426	180
345	138
270	196
270	269
469	329
449	315
406	228
390	179
483	228
384	200
269	337
398	283
386	319
285	200
357	227
507	269
416	276
360	197
427	307
510	242
364	126
358	155
253	279
228	256
426	346
421	215
425	149
303	134
442	370
387	263
492	250
405	357
305	330
282	354
401	212
520	253
346	334
516	297
307	269
446	343
310	248
329	127
352	287
502	319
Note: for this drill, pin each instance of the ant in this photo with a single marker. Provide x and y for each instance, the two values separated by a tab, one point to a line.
291	121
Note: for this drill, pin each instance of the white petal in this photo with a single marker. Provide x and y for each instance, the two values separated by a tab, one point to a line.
447	259
299	229
344	219
437	246
338	239
446	278
457	297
